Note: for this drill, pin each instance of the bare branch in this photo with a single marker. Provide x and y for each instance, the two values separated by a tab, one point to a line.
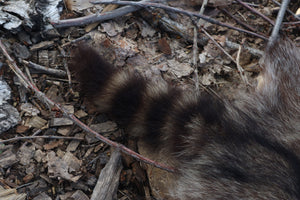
279	20
41	136
288	10
256	12
177	10
47	70
98	17
253	51
237	20
195	46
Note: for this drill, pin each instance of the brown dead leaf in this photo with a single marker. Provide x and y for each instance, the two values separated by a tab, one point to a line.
53	144
28	178
21	129
164	46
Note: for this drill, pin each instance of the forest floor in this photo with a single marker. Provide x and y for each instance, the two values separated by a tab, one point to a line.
64	161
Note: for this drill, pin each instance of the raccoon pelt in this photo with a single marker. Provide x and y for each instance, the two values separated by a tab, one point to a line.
243	149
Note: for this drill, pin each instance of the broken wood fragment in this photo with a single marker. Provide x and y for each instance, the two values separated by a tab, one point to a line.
108	180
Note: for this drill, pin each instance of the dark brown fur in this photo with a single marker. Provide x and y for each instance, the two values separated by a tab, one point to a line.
246	149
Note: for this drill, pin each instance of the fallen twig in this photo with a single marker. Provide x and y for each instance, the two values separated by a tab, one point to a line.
47	70
34	134
256	12
28	74
41	136
168	25
98	17
177	10
291	23
279	20
84	37
63	53
253	51
240	69
288	10
195	46
237	20
42	97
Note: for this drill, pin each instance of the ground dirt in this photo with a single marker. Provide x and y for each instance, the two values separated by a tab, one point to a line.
47	168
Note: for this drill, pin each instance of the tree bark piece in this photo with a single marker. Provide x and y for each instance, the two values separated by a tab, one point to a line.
108	180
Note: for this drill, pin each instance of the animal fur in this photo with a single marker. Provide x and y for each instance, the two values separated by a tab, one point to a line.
245	149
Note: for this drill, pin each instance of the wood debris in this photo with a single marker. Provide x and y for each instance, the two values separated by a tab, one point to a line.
153	42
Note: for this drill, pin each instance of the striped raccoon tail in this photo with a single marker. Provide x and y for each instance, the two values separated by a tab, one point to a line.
106	87
155	111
